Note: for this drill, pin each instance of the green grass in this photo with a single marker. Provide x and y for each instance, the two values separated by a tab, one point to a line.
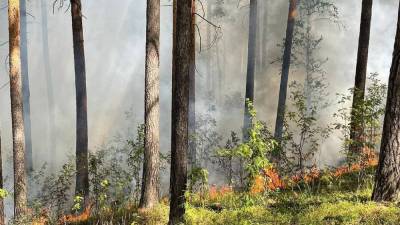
326	202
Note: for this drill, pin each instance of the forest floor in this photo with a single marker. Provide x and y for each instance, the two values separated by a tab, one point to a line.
343	199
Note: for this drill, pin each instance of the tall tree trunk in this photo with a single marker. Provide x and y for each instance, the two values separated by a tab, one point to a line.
308	84
192	93
2	214
259	44
151	163
25	87
280	116
219	74
356	130
17	111
251	60
82	173
264	51
210	77
49	82
387	178
182	65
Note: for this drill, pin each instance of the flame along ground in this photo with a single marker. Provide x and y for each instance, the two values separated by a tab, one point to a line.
268	180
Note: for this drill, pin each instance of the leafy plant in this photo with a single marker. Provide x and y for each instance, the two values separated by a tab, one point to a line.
3	193
368	114
57	189
253	152
303	132
78	200
226	162
198	181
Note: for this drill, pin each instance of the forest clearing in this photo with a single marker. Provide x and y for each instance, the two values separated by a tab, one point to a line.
200	112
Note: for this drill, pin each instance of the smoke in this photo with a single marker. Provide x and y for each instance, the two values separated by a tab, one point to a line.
114	33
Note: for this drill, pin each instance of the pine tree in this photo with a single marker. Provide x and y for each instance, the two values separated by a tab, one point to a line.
361	74
49	82
82	170
25	86
192	94
17	113
149	197
285	69
387	178
251	64
182	64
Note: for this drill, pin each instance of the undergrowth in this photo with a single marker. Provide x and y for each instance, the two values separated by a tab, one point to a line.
340	201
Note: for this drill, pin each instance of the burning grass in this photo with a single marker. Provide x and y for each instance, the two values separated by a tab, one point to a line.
333	196
270	180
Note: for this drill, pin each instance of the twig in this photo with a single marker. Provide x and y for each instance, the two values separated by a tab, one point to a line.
198	32
202	8
209	22
4	85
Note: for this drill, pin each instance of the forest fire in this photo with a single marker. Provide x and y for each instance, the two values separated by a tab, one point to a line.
76	218
271	180
371	159
215	192
281	103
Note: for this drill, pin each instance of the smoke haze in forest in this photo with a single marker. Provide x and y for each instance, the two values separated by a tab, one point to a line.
114	46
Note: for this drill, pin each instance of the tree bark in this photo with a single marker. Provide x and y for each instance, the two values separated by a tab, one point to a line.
285	69
308	83
251	61
2	214
387	179
264	51
356	131
151	165
182	65
192	93
209	55
82	173
25	87
49	83
17	112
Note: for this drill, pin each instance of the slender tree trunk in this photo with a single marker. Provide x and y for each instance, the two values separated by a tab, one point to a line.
192	93
17	112
259	44
387	179
25	87
218	74
182	65
151	161
285	69
222	70
251	60
356	130
2	214
308	53
264	51
210	77
82	173
49	82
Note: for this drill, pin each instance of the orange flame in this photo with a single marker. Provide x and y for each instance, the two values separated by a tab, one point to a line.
215	193
274	180
371	159
77	218
270	179
258	185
